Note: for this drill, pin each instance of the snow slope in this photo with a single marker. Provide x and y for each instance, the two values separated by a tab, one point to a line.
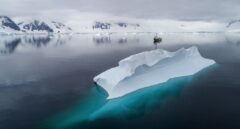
150	68
8	26
59	27
35	26
38	26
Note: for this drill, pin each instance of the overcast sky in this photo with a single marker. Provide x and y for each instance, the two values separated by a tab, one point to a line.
145	9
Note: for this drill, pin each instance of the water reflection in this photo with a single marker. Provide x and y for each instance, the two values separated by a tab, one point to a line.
233	39
9	47
38	41
101	39
123	40
117	39
61	40
9	44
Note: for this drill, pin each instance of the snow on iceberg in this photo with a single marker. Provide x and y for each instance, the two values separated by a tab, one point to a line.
150	68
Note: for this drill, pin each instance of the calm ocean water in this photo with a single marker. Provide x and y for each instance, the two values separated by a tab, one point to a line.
42	77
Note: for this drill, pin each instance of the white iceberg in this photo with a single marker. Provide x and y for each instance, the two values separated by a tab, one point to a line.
150	68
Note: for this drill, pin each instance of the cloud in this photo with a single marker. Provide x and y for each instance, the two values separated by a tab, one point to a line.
146	9
185	15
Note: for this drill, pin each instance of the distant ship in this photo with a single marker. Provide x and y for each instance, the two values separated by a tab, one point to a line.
157	39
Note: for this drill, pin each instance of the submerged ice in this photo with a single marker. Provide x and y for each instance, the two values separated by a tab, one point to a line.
150	68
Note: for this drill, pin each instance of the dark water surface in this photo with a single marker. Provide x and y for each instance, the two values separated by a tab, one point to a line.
42	76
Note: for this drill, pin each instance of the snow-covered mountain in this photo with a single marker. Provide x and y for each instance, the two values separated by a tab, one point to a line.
101	26
109	25
59	27
7	25
37	26
29	26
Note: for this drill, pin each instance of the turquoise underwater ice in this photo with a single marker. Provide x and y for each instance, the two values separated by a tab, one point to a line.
140	103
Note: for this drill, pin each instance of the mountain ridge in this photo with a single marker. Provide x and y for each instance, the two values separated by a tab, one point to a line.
9	26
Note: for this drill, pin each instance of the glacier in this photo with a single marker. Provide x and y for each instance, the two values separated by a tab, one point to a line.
150	68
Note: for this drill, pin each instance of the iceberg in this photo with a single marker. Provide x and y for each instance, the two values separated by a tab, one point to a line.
150	68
